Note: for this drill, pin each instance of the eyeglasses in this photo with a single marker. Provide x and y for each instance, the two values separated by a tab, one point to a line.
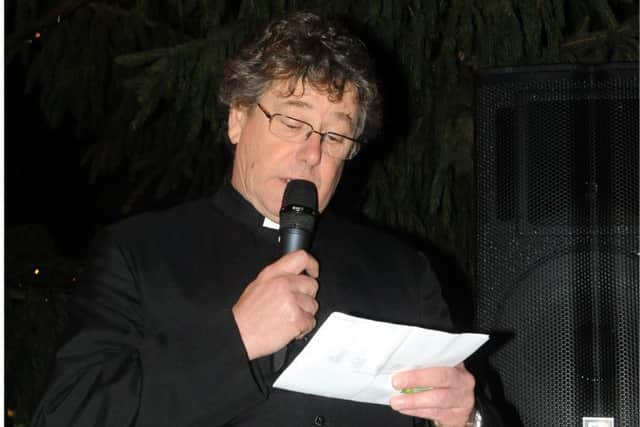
334	144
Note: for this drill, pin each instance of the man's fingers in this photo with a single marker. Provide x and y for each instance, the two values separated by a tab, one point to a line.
306	285
292	263
279	305
447	397
437	398
291	284
307	303
434	377
305	322
309	327
450	406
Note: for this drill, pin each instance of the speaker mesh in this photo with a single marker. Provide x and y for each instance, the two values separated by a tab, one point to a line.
558	240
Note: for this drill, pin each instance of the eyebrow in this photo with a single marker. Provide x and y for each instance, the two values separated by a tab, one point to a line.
297	103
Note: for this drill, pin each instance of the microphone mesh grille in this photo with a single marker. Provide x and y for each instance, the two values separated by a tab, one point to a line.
300	193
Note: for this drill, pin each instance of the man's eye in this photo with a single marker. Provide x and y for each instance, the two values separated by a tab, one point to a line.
291	123
335	138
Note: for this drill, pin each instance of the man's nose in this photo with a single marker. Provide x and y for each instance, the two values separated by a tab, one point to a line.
311	151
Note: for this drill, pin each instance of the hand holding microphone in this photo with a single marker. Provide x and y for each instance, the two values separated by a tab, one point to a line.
280	305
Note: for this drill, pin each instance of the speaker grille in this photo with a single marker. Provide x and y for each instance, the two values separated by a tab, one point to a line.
557	240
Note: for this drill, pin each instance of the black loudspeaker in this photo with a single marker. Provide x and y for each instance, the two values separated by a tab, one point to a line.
557	242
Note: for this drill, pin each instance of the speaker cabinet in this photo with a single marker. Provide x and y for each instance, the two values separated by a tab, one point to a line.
557	241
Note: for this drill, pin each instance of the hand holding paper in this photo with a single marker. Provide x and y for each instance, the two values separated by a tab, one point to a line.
354	358
449	400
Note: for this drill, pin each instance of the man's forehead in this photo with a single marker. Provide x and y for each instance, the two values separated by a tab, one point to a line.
305	96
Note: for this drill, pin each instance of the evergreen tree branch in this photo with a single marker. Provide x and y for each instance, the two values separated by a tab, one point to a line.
585	40
147	96
603	10
580	41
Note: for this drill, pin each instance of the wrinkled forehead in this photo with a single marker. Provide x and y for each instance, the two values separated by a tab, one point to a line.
300	87
305	94
306	97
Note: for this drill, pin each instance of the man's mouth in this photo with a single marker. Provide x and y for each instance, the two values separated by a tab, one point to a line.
288	179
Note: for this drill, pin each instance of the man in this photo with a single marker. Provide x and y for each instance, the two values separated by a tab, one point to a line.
183	310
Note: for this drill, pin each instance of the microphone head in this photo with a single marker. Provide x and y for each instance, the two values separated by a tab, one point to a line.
300	192
299	205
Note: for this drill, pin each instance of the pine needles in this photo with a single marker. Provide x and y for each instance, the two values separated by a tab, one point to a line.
139	78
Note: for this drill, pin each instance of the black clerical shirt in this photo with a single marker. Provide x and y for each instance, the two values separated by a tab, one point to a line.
153	340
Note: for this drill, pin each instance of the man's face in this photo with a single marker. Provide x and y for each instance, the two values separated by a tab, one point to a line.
264	163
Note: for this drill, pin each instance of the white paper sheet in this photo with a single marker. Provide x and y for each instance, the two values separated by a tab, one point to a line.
354	358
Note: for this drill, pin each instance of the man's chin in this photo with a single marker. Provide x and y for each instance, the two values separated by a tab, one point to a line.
272	211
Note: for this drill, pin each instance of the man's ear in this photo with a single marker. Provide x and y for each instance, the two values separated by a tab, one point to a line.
237	119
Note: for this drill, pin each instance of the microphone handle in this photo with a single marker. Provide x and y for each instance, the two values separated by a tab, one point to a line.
291	240
294	239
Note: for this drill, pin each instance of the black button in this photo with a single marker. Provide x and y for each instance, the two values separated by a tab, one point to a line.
319	420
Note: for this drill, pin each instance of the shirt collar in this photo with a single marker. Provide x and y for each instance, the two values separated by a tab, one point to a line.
267	223
233	205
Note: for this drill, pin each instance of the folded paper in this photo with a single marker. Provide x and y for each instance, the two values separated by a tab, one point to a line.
354	358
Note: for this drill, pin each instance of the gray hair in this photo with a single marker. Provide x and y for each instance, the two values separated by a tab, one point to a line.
305	48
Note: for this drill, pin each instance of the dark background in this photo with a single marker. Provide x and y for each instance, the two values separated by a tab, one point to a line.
416	180
45	180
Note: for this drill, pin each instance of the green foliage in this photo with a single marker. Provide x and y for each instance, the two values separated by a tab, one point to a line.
140	79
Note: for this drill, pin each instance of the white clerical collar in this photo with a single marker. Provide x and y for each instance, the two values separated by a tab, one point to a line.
267	223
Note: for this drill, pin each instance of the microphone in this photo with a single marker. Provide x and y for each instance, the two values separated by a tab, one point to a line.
298	215
297	223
